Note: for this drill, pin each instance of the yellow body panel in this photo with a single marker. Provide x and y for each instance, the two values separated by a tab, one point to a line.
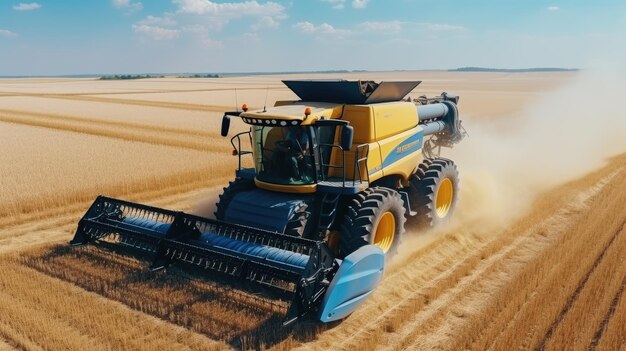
296	189
407	159
361	117
391	130
393	118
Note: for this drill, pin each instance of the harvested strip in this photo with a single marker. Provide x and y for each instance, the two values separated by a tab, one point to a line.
609	314
606	261
124	131
199	121
534	288
76	319
614	337
162	104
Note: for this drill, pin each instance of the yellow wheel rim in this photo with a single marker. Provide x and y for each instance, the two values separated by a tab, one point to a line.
385	231
445	195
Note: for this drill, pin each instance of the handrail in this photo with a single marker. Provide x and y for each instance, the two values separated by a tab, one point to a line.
357	163
362	150
237	148
343	161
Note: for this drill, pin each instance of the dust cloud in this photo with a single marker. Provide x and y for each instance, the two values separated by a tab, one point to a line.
507	162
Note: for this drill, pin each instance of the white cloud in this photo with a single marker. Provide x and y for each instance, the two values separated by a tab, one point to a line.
217	15
195	28
441	27
359	4
128	5
22	6
324	28
306	27
553	8
231	9
155	32
7	33
337	4
389	27
158	21
265	22
201	19
378	28
201	33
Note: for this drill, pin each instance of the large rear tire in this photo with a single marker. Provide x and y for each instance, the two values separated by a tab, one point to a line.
375	216
434	191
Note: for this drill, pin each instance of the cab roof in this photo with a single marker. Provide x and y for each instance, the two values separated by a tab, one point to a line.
292	111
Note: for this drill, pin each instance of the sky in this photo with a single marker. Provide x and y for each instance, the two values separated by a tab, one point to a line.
64	37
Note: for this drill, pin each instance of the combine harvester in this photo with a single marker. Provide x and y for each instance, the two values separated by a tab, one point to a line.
335	175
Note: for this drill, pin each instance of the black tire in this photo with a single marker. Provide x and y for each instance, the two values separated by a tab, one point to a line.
432	177
234	187
363	216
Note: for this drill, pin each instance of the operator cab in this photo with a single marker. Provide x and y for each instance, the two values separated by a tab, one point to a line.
285	155
297	154
291	149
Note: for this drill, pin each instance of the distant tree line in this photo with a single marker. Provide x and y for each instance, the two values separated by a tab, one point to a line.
512	70
129	76
208	75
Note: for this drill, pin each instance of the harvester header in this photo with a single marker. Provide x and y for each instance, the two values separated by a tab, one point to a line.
335	176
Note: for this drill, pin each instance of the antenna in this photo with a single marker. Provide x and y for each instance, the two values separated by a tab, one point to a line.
267	90
236	102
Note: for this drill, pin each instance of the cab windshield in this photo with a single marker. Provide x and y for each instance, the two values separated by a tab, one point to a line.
284	155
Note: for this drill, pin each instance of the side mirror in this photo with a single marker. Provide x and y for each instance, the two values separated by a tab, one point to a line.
225	125
347	136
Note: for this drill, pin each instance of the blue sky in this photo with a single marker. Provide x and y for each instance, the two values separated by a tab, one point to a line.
131	36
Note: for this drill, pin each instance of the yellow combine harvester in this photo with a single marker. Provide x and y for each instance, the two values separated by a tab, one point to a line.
335	175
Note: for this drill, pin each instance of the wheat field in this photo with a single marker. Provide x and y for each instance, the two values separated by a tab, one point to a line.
532	260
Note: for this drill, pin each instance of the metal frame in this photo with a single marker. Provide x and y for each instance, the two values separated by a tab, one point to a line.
357	163
237	149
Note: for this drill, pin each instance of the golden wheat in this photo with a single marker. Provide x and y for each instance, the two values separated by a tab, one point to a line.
121	130
236	318
553	279
44	168
63	316
614	332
